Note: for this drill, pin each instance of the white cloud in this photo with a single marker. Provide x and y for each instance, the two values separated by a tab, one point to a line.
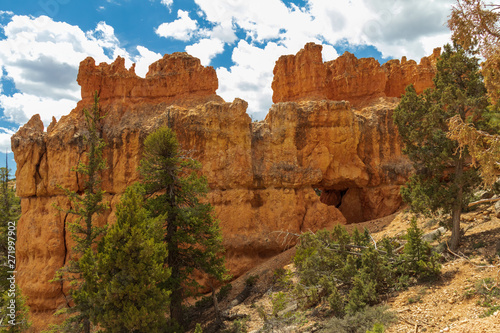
5	134
223	31
206	49
251	76
395	27
182	29
20	107
144	59
42	57
167	3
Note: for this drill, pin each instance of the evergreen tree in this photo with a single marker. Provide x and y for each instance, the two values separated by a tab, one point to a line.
476	24
442	179
9	214
85	207
192	234
129	265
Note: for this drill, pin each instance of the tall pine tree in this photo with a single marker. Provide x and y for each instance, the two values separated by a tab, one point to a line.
130	266
442	178
10	210
192	234
85	207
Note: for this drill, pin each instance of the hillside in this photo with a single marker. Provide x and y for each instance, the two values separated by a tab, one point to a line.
449	304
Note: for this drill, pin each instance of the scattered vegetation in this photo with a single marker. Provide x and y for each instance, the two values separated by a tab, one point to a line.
10	210
488	291
350	272
371	318
442	179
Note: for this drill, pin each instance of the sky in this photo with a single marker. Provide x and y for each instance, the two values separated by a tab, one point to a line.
42	43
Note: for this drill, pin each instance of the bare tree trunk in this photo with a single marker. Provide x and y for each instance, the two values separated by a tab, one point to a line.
457	206
173	263
218	319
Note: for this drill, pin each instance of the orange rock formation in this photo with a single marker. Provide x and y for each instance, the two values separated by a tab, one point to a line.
264	176
304	77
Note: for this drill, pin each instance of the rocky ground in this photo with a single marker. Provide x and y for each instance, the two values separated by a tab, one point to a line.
449	304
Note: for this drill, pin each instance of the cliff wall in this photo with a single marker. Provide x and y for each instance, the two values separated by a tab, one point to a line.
327	153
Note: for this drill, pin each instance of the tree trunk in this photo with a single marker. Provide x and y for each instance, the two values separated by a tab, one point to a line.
86	325
173	261
218	319
457	206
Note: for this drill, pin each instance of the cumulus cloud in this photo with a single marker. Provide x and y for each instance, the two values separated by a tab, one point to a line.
20	107
41	58
167	3
206	49
395	27
144	59
5	134
182	29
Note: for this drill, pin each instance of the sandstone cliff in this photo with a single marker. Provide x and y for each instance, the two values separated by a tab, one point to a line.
304	77
315	161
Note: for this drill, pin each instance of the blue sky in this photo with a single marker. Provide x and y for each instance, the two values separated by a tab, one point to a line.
43	41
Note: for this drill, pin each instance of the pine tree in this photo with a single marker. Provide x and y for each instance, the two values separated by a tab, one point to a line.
85	207
192	234
442	179
130	266
9	214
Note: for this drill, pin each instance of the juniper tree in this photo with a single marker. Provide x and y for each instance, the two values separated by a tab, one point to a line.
192	234
476	24
442	179
129	268
85	208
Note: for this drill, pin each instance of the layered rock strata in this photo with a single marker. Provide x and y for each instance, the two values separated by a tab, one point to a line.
312	163
305	76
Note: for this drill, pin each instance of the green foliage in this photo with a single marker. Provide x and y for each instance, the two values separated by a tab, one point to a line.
239	326
207	301
279	302
9	214
22	320
489	292
418	259
361	321
80	269
129	268
442	179
10	210
350	274
329	260
377	328
251	280
198	329
282	278
192	234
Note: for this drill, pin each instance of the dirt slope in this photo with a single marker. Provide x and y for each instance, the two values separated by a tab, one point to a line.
446	305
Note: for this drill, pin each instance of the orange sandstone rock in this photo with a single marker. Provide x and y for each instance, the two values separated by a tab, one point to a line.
264	177
176	77
359	81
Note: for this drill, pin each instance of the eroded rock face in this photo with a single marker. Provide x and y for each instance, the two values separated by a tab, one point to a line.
304	76
312	163
177	77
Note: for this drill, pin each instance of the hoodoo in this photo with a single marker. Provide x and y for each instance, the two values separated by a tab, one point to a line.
327	153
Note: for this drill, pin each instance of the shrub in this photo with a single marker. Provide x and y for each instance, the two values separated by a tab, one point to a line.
350	273
362	321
